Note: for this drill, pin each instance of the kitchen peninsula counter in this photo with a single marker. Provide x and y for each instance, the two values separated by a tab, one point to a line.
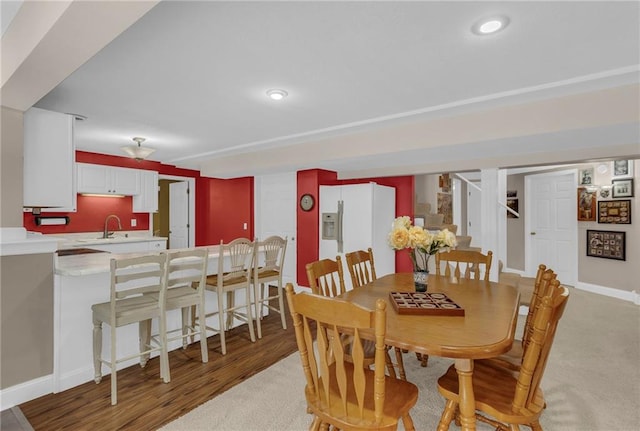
82	280
98	263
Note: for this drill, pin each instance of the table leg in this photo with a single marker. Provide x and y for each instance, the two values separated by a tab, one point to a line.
464	367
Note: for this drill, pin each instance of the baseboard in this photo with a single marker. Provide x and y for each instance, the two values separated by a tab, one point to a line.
26	391
625	295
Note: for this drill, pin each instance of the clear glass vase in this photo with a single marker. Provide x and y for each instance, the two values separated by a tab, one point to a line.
420	280
420	270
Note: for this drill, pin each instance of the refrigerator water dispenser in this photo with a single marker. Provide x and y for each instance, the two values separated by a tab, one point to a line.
329	225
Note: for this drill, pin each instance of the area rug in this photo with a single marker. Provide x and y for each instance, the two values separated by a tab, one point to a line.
591	381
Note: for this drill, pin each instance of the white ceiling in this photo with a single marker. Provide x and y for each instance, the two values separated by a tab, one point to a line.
191	76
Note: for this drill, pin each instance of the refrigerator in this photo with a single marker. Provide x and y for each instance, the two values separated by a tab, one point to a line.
356	217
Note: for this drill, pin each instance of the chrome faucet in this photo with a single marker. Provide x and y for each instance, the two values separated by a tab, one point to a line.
106	233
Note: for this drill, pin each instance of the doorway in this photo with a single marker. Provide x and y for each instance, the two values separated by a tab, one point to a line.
175	218
550	224
275	214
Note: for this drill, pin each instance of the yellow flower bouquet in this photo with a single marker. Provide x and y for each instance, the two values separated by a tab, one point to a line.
420	243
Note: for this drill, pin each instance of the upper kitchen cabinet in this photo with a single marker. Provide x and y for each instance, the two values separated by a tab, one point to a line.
108	180
49	161
147	200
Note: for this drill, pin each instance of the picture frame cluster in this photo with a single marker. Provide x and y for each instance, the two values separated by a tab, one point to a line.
609	204
599	202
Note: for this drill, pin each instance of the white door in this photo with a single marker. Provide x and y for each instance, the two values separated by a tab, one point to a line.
275	214
550	224
179	215
474	215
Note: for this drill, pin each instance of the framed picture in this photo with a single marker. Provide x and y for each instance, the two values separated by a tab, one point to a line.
585	176
606	244
615	212
622	168
587	204
605	192
622	188
513	204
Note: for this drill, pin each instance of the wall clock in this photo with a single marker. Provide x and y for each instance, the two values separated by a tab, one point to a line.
306	202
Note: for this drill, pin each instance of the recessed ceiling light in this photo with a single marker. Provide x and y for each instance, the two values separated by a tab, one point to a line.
490	25
277	94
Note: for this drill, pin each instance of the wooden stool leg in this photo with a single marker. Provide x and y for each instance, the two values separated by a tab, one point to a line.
97	350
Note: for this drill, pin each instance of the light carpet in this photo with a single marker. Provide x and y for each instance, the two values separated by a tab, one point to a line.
592	381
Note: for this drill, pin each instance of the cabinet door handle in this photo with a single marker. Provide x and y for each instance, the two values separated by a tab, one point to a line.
532	233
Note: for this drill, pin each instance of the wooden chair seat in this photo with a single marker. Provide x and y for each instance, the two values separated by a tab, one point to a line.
268	272
494	390
393	405
129	310
212	280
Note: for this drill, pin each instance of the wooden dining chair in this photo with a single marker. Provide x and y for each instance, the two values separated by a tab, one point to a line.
346	394
325	277
362	270
513	358
466	263
234	274
267	267
361	266
503	398
138	289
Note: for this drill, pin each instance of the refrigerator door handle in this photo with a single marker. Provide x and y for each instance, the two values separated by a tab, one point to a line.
340	214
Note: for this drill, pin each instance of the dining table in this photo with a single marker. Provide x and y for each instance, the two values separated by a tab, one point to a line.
486	329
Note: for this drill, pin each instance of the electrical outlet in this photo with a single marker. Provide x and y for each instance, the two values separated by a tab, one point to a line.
134	222
244	226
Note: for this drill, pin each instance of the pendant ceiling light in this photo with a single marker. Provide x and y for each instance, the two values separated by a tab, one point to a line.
138	152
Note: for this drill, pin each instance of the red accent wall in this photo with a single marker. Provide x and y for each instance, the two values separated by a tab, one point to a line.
309	181
223	208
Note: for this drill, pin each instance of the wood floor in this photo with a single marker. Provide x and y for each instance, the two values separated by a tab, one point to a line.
145	403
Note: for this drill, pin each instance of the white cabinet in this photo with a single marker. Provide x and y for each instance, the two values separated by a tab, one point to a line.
108	180
147	200
49	161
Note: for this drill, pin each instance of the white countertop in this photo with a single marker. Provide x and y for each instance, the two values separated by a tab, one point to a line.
93	238
96	263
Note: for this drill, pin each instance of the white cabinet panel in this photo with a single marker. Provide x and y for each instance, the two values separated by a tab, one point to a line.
125	181
147	200
131	246
49	161
108	180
